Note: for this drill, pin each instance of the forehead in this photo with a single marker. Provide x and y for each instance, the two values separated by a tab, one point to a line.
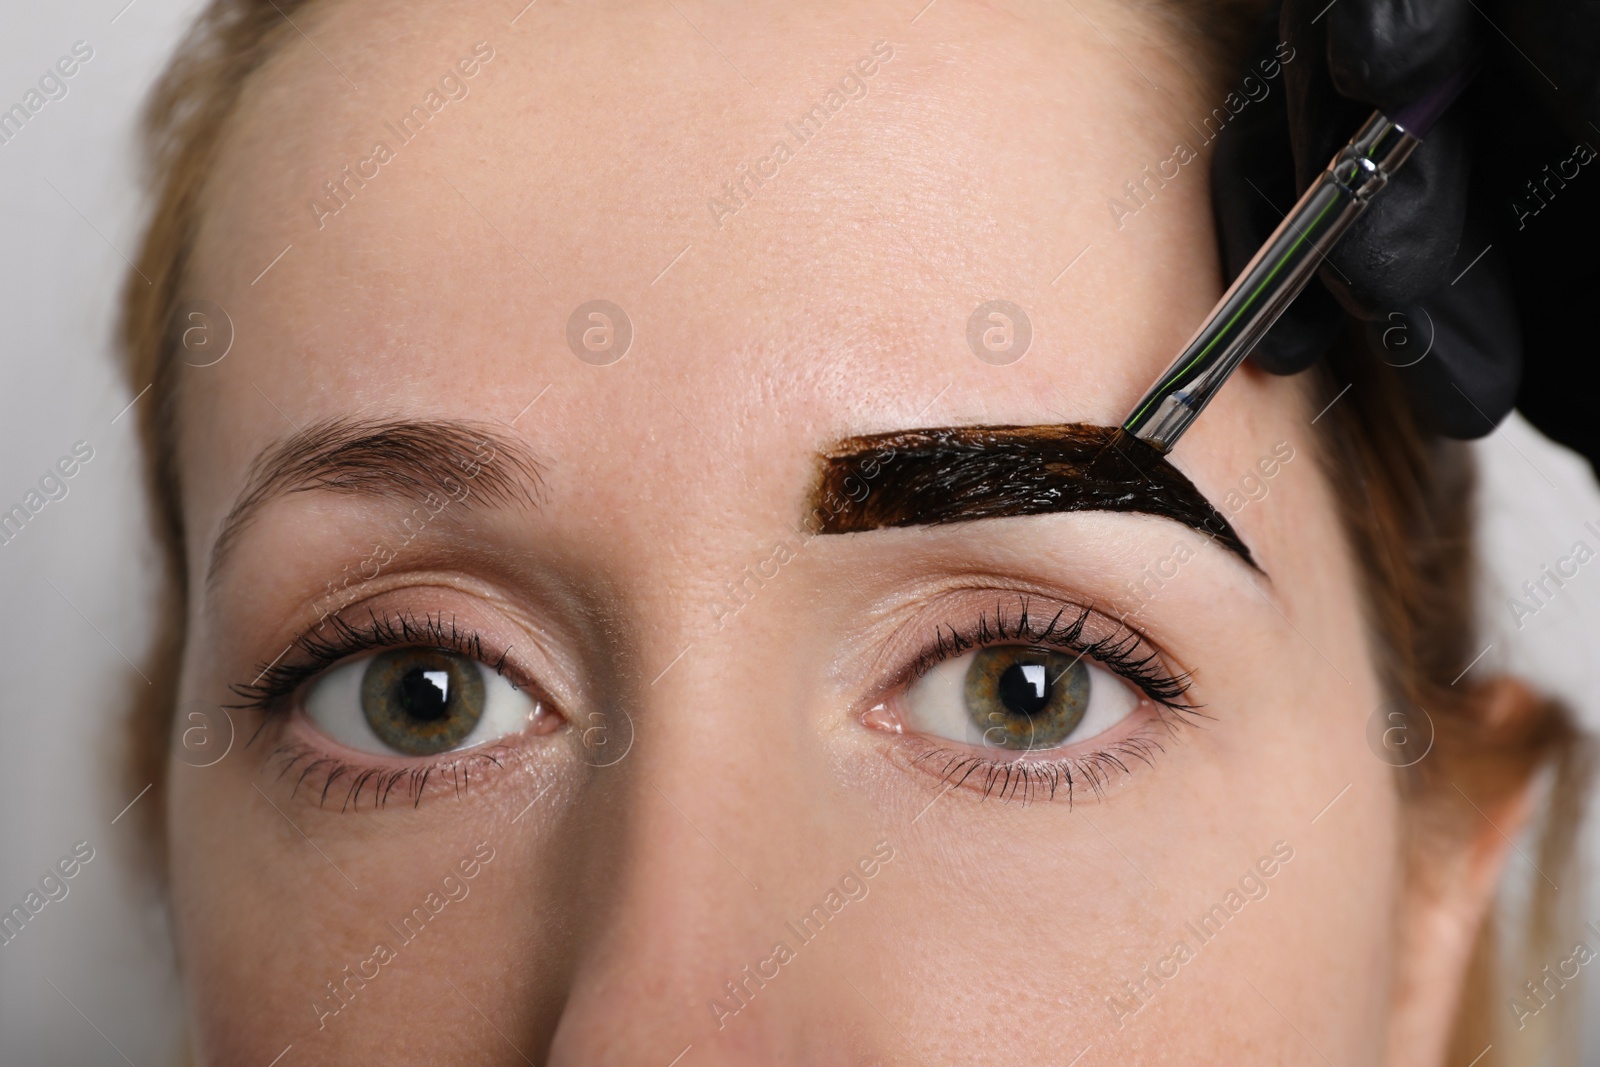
798	217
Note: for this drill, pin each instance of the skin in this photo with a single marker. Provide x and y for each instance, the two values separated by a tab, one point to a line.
621	899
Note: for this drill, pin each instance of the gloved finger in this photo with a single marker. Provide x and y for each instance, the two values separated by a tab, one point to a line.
1459	351
1397	250
1400	248
1390	52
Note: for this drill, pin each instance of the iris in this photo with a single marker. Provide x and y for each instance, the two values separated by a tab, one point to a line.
422	701
1025	698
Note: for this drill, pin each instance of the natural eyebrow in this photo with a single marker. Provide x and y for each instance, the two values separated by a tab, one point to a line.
417	460
957	474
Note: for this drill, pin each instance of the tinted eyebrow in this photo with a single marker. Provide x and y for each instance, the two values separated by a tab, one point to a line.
962	473
434	462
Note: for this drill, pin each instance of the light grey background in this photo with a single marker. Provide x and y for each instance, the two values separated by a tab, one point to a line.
90	980
68	201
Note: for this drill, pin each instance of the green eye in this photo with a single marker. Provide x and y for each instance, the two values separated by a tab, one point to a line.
1026	698
1020	698
418	702
422	701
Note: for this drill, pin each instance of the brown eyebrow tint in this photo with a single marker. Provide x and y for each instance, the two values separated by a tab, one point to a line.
961	473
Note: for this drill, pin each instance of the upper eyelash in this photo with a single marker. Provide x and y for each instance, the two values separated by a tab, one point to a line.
1125	651
278	680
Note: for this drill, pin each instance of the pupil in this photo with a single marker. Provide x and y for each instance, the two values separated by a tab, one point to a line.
425	694
1025	688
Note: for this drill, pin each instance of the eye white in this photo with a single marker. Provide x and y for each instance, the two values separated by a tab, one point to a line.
935	704
333	704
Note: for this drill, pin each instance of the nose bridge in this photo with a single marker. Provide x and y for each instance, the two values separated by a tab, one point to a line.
713	830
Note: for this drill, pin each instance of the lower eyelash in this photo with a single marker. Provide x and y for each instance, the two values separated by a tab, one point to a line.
1020	780
412	782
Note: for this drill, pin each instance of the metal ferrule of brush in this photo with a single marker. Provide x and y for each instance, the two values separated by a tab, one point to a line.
1271	281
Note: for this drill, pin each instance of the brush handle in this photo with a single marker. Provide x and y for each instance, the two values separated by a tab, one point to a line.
1271	280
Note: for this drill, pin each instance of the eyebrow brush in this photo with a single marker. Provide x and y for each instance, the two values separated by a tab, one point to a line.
1283	265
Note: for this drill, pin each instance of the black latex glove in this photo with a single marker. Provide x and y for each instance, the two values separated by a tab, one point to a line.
1484	251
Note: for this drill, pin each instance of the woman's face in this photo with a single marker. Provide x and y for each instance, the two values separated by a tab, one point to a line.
636	768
